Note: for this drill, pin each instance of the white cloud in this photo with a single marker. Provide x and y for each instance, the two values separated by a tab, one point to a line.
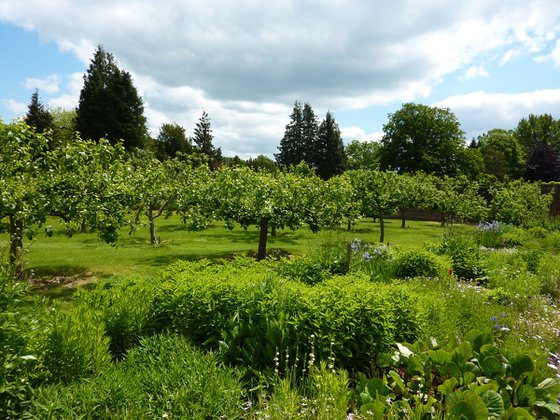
15	107
357	133
246	62
49	84
475	71
480	111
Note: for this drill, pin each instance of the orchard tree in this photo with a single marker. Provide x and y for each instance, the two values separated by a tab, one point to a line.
520	203
422	138
503	155
329	157
262	163
109	105
203	140
457	199
77	181
378	194
413	191
37	115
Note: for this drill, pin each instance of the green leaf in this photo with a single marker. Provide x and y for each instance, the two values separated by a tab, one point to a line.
517	413
448	386
439	356
398	380
521	364
482	340
551	385
491	367
526	396
494	403
468	377
473	408
375	387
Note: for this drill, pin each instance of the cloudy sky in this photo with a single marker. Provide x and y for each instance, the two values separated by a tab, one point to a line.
245	62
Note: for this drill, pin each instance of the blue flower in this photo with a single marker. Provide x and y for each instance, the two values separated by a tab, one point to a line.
493	318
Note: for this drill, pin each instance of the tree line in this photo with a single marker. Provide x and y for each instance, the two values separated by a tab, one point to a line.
416	137
97	186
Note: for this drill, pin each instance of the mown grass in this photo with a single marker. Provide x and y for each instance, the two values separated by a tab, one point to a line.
85	255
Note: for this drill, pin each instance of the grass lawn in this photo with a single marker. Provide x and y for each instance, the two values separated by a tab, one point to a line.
85	255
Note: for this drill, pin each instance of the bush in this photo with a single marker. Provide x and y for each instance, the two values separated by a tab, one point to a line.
162	377
466	258
375	260
125	305
75	344
250	314
417	263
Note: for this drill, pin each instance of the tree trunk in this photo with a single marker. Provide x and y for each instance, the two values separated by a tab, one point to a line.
263	236
16	247
442	219
349	226
152	226
273	231
403	219
382	229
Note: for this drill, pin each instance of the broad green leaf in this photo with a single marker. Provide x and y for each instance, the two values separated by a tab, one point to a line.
526	396
473	408
491	367
397	379
448	386
551	385
517	413
439	356
521	364
494	403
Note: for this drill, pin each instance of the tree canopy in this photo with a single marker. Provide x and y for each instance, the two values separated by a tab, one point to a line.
37	115
422	138
109	105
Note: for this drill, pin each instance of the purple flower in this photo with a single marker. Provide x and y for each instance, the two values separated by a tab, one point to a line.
493	318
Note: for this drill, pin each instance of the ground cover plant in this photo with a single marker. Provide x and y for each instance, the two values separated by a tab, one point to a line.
310	336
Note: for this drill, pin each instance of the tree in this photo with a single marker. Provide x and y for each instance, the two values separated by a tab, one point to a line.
171	140
543	163
63	126
109	105
503	155
329	154
535	129
203	139
520	203
422	138
37	115
262	163
377	193
362	155
75	181
300	137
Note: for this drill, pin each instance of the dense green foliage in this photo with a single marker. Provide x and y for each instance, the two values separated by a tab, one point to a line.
109	105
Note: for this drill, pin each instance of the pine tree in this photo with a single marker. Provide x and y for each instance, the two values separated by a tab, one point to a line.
309	135
291	150
329	158
203	139
110	106
37	115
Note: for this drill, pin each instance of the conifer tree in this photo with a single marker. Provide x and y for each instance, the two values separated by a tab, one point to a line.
37	115
110	106
203	139
329	158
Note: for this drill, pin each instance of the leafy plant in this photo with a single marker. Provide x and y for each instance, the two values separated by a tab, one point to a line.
375	260
417	263
471	380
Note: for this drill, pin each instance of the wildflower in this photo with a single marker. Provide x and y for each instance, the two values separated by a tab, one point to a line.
366	256
493	318
248	405
504	328
497	326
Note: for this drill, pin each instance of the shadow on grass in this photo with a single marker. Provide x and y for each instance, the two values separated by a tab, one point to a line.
50	271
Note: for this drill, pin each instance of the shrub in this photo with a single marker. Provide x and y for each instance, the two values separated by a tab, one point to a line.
125	305
162	377
464	253
417	263
74	344
489	234
250	314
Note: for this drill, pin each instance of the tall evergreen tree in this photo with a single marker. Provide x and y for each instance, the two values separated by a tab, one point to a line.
203	139
300	137
329	157
110	106
37	115
291	145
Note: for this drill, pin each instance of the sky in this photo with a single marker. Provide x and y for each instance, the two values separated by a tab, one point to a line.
491	62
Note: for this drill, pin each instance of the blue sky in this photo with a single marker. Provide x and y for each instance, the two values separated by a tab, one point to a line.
491	62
